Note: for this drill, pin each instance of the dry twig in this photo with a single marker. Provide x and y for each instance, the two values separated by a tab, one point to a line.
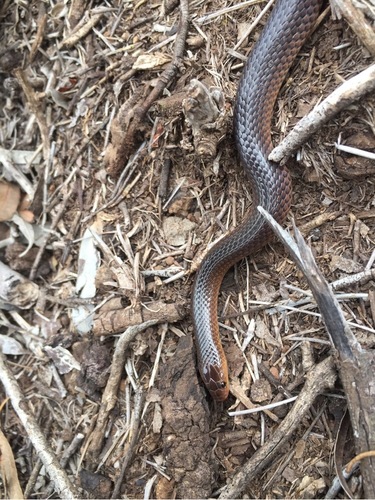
36	109
357	21
83	28
109	397
350	91
53	225
134	429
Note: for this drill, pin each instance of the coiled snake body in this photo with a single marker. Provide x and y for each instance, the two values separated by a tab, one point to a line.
285	32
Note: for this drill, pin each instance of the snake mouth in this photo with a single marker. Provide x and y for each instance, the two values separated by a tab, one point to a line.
221	393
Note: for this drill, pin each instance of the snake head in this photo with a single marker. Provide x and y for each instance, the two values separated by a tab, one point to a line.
216	382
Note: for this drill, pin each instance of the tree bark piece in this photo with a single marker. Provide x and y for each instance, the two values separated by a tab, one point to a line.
112	322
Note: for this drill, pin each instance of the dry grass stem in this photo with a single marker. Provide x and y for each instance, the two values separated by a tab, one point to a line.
253	25
262	408
226	10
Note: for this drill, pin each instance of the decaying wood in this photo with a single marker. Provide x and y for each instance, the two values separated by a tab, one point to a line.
356	366
205	112
113	322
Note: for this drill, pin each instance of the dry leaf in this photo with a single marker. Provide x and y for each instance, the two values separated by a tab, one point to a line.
64	361
88	264
8	470
344	264
150	61
177	230
9	345
10	196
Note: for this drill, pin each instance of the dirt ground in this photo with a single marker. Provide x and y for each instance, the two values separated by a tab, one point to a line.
73	75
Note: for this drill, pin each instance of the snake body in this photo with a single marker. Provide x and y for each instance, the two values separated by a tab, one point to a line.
287	28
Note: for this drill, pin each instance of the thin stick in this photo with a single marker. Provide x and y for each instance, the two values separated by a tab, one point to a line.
357	21
350	91
109	397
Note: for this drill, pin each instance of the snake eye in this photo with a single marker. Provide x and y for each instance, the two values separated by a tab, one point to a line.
223	385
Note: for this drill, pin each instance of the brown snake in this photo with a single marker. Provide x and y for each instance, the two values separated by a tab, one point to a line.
288	26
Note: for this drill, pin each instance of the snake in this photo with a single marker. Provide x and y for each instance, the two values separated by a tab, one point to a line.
287	28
